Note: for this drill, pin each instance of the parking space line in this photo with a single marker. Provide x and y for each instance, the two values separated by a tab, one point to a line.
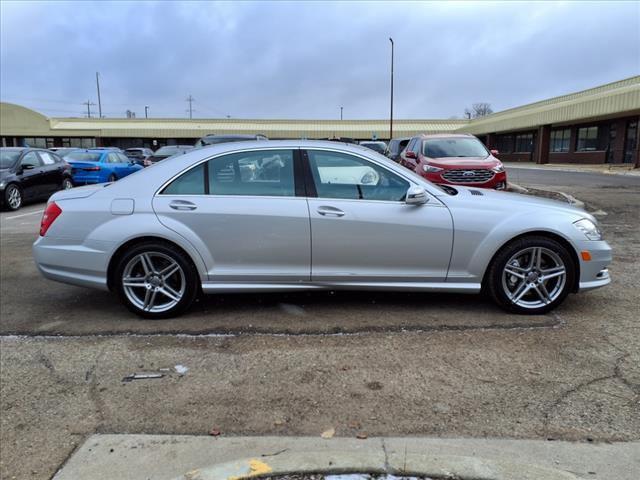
24	215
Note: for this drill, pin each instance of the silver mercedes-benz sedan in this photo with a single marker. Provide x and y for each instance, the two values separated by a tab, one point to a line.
293	215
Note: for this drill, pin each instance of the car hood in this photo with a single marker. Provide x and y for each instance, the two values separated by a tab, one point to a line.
463	162
514	202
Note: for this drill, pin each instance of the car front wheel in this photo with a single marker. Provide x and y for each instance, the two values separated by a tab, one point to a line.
13	197
156	280
531	275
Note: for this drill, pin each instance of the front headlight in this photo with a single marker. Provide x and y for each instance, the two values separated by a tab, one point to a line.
590	229
498	169
431	169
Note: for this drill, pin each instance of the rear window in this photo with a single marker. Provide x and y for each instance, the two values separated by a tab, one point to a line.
83	157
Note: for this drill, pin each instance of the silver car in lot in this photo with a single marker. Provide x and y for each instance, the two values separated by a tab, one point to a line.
297	215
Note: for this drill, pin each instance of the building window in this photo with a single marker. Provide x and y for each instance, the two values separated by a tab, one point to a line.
560	140
587	139
35	142
524	143
504	143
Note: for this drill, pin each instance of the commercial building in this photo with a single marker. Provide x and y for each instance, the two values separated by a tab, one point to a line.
599	125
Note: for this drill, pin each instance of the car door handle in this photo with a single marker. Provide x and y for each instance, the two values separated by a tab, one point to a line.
182	205
330	211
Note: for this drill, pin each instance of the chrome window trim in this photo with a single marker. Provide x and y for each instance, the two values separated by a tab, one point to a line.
292	148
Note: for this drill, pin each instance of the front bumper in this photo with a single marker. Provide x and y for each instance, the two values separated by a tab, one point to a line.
594	273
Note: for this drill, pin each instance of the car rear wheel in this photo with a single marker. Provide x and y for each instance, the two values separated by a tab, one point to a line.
112	178
531	275
156	280
13	197
67	184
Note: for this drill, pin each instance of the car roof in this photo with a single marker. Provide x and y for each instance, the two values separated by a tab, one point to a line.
445	135
13	149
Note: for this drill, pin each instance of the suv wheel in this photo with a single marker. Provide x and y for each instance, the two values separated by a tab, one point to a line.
156	280
531	275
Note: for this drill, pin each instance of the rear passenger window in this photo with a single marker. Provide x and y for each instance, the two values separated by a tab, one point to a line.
257	173
46	158
189	183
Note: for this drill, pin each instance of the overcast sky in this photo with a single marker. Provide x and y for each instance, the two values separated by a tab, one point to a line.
304	60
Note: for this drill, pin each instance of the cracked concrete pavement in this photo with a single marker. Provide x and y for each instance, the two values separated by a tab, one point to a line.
298	364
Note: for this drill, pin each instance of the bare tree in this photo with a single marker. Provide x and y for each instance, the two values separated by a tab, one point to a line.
480	109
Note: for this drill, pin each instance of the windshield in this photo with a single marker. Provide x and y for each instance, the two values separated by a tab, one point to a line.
377	146
8	158
454	147
82	157
170	150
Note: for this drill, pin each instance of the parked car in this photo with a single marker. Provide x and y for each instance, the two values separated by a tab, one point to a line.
30	174
379	147
63	151
138	154
216	139
99	165
166	152
242	218
456	159
395	148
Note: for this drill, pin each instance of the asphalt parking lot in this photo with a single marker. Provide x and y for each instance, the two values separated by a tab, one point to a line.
297	364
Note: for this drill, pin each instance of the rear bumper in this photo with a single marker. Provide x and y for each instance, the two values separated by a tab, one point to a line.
81	265
594	273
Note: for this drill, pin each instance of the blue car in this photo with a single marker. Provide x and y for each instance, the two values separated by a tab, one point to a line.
99	166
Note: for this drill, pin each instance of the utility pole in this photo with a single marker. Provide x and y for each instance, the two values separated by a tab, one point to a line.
99	102
391	113
89	104
340	113
190	99
146	111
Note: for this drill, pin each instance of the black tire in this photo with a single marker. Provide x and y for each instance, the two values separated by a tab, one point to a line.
9	202
112	178
493	281
67	183
191	278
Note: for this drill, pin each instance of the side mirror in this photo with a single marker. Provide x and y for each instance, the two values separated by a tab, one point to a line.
27	167
410	154
495	153
416	196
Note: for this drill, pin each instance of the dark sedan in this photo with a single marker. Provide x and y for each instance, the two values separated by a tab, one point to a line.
166	152
30	174
138	154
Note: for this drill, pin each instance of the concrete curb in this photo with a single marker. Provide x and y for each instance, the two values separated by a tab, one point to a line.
438	467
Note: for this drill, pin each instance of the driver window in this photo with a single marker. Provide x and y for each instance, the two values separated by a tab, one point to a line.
339	175
30	159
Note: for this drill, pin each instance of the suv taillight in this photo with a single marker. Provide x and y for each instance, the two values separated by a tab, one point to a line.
50	214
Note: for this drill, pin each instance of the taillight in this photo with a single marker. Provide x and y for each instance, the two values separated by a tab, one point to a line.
91	169
50	214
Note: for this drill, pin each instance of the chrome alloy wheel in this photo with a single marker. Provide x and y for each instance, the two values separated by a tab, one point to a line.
534	277
67	184
14	197
153	282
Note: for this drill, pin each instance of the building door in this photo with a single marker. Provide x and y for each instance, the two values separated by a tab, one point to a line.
631	141
610	157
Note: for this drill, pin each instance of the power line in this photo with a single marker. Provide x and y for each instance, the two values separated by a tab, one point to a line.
89	104
190	99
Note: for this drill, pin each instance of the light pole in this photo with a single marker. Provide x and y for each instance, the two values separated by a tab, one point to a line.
146	111
391	113
340	113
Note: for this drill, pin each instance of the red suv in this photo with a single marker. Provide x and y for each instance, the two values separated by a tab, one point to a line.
455	159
